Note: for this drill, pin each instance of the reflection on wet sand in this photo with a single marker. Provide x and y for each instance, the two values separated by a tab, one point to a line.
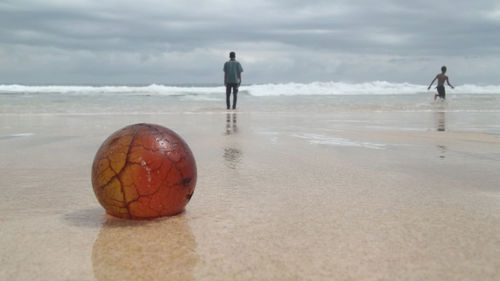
231	126
442	151
232	154
440	118
232	157
163	249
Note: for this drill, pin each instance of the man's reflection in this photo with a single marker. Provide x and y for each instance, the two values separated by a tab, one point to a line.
231	126
145	250
442	151
440	118
232	157
232	154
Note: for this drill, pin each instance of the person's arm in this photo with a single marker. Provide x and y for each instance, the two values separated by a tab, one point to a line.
448	82
240	70
432	83
225	73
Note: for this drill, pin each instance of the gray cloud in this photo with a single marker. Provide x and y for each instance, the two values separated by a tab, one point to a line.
128	42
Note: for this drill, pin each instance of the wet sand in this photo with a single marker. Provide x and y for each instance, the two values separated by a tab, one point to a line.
276	199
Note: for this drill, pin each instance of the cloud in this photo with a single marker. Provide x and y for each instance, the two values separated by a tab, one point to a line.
86	41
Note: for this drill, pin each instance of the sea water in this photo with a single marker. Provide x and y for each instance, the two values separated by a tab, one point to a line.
373	105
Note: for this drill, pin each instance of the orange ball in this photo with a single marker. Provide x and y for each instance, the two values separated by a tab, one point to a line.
144	171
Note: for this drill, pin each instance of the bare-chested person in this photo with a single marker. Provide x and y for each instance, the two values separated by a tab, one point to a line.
441	77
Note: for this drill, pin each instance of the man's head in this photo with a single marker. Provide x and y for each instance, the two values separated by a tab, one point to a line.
232	55
443	69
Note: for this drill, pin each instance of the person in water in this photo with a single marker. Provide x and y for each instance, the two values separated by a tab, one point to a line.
232	78
441	78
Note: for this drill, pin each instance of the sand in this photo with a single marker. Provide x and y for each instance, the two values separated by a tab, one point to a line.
274	201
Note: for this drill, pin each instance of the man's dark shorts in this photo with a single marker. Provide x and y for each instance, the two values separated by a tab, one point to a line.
230	86
441	91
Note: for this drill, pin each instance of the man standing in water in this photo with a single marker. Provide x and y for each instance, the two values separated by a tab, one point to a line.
441	77
232	78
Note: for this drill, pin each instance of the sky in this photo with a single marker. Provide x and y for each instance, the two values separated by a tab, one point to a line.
122	42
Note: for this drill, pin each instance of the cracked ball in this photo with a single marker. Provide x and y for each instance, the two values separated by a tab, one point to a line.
144	171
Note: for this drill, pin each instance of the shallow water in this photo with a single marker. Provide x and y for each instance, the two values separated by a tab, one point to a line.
460	112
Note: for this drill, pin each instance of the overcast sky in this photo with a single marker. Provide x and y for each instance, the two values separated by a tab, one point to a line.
169	42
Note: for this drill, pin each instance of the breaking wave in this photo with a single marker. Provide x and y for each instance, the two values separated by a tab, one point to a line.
260	90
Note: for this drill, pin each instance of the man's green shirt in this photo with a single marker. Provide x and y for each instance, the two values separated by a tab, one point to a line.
232	68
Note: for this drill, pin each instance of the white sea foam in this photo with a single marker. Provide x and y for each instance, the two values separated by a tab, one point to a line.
153	89
20	135
328	140
335	88
261	90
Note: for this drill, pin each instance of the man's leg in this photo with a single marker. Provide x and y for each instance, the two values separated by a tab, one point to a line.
235	95
228	94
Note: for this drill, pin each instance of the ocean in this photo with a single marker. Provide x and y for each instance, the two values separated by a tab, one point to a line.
375	105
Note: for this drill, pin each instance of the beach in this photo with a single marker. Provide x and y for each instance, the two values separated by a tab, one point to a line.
334	187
